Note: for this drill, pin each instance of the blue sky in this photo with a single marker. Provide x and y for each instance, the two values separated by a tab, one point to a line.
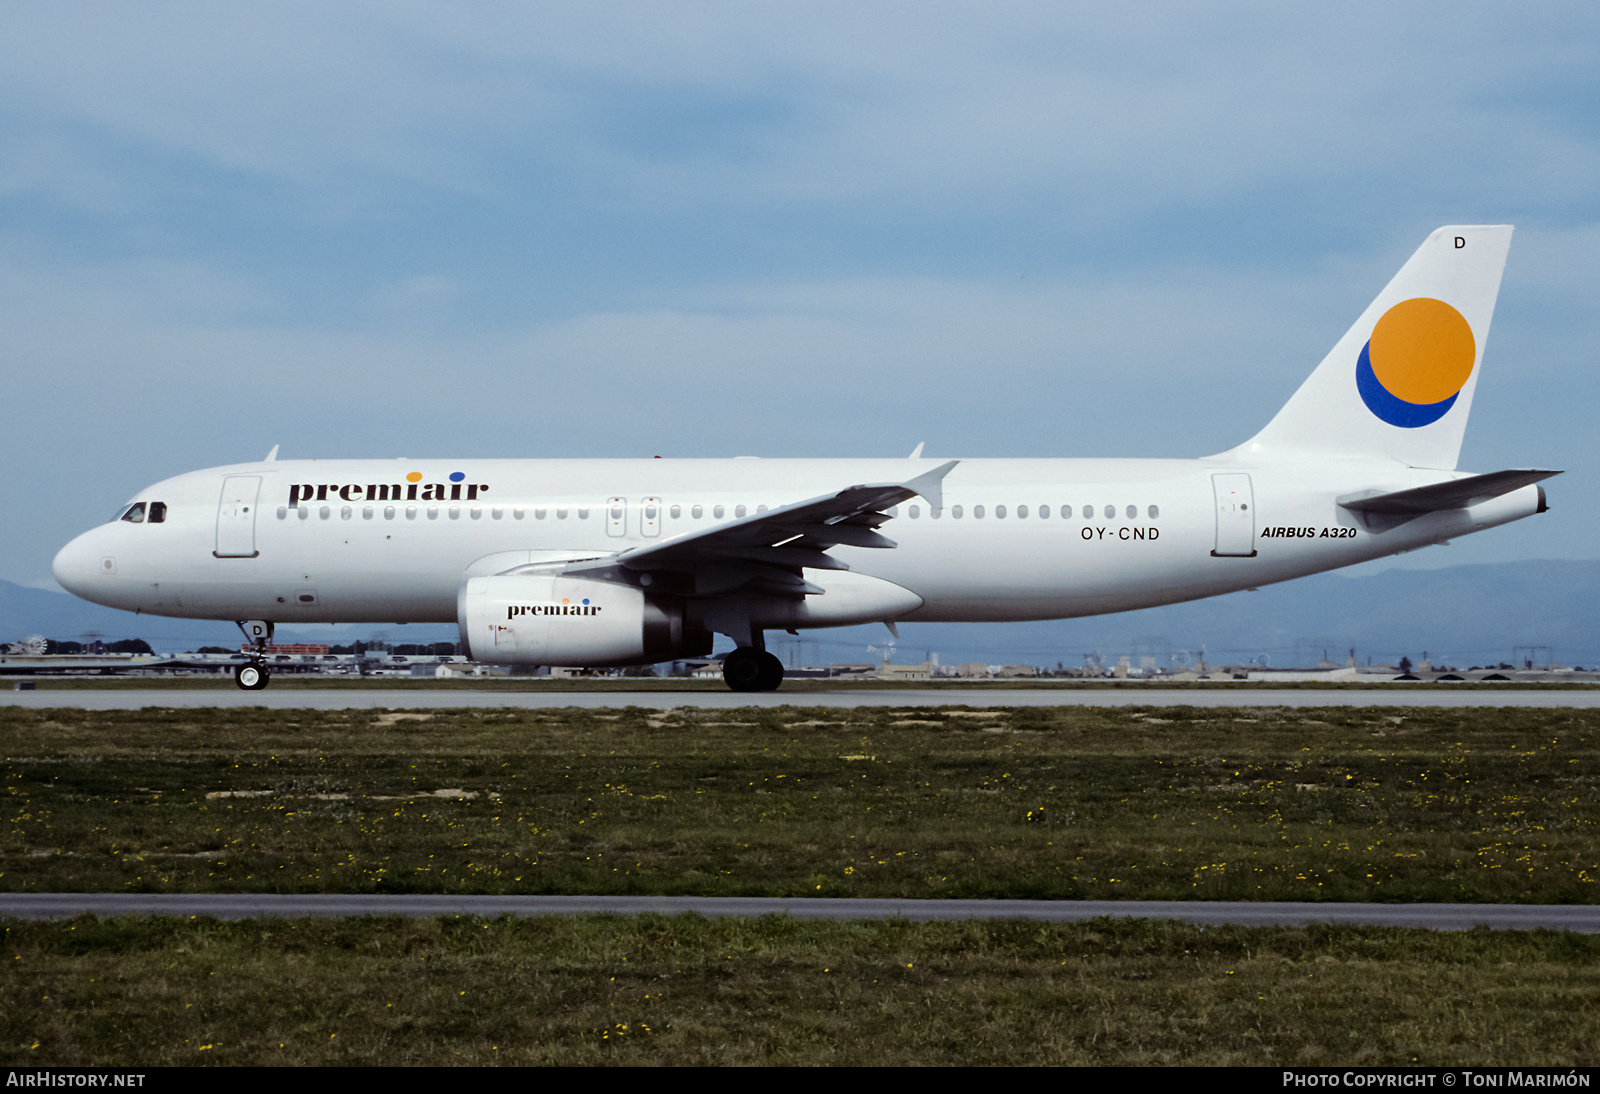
773	229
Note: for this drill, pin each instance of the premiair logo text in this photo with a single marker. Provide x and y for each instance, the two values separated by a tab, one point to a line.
566	607
413	490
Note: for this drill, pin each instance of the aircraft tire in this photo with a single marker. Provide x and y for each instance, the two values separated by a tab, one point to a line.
251	677
744	670
771	672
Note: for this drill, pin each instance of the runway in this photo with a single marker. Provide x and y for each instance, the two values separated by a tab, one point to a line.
1584	919
400	698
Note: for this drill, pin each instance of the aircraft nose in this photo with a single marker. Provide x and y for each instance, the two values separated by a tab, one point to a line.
79	563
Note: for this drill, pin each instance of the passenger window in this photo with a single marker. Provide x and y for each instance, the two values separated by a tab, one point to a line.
516	512
496	512
934	512
676	511
760	509
455	512
1088	512
717	511
955	512
1111	512
583	512
158	512
697	512
1044	512
913	512
738	511
1154	511
1133	512
561	513
283	513
433	512
999	512
1022	512
388	512
538	512
135	514
366	512
411	512
346	513
325	512
477	512
977	512
304	513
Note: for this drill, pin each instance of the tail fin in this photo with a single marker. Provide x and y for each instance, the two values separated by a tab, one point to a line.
1400	382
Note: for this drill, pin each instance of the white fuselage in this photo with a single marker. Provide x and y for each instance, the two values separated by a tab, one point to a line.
355	541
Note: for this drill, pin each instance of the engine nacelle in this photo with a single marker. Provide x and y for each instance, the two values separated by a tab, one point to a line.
549	619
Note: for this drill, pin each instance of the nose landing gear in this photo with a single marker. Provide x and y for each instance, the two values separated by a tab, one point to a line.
253	675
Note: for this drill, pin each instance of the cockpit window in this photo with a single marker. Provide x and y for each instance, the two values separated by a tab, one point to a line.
158	512
135	513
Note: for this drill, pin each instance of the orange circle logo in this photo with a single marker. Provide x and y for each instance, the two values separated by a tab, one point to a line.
1416	362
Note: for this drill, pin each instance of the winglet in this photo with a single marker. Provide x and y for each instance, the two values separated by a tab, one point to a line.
271	456
916	453
929	484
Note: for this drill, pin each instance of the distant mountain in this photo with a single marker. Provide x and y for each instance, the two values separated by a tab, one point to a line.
1461	615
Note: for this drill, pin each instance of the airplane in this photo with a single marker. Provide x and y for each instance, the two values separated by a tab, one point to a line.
619	562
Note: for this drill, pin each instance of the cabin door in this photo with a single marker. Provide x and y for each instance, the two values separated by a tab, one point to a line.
1236	516
236	517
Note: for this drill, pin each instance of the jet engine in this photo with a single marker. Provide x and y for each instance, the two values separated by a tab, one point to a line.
550	619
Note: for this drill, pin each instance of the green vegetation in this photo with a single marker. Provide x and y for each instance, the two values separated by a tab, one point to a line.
1153	803
138	992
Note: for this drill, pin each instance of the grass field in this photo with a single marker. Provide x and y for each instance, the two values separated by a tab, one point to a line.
1170	803
132	992
1334	804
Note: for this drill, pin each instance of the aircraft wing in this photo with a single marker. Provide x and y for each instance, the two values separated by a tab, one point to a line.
770	549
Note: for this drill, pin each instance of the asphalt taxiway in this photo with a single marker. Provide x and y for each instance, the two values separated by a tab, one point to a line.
400	698
1584	919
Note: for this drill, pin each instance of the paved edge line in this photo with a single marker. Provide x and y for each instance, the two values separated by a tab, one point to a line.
1578	918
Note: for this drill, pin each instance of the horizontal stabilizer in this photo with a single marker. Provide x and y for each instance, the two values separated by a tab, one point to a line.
1456	494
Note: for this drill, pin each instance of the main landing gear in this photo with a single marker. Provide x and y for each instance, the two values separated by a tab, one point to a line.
253	674
750	669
